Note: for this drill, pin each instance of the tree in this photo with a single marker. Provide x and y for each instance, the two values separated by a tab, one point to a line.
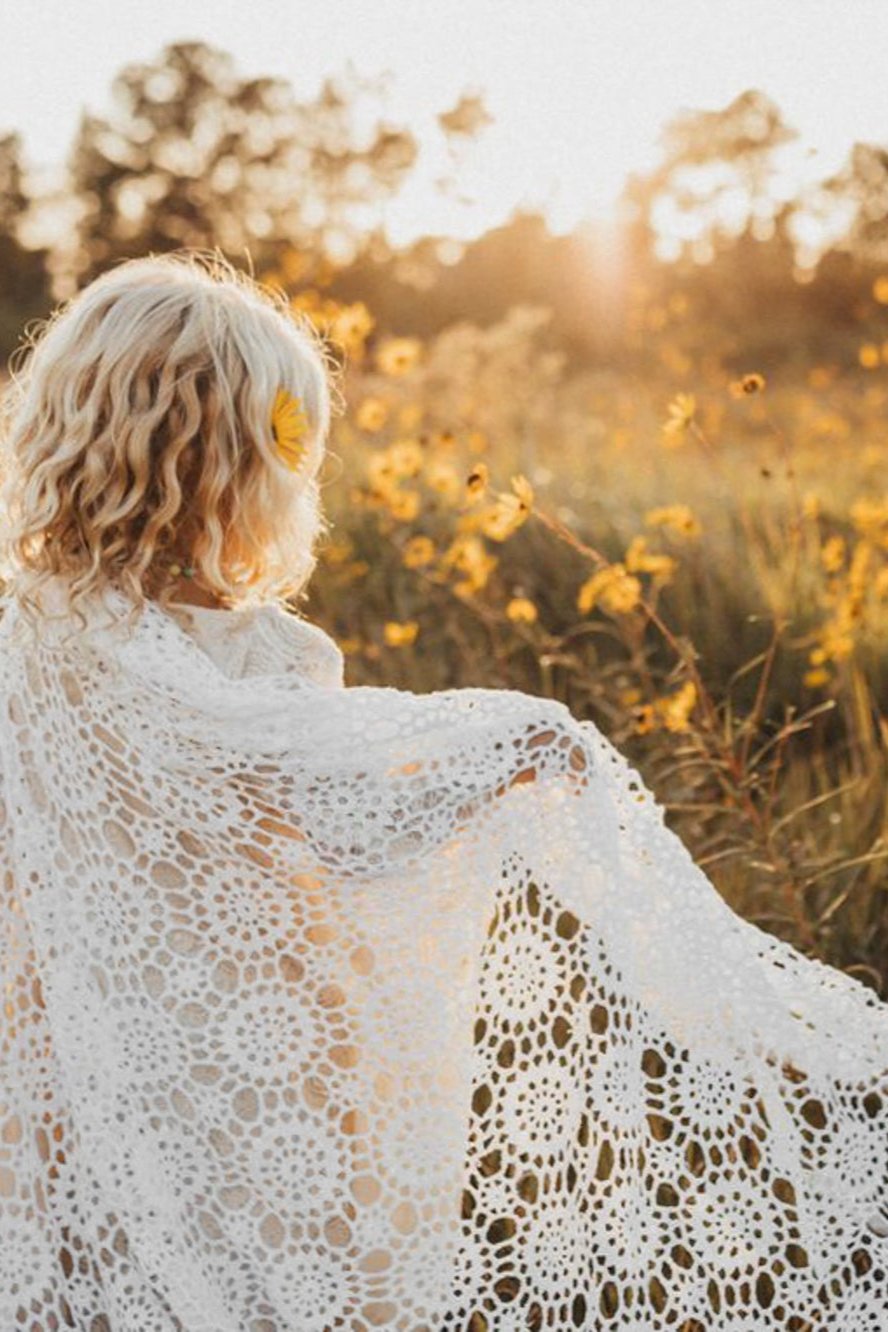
859	192
715	180
194	155
24	280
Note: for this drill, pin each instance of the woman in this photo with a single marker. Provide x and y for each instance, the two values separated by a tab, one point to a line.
344	1008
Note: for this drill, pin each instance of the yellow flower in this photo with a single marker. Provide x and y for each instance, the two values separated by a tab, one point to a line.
640	560
372	415
418	552
880	289
351	325
836	644
406	456
336	552
740	388
403	504
523	490
380	470
868	355
616	590
443	478
289	427
832	555
678	517
677	708
816	677
645	718
682	410
870	516
468	554
400	634
350	646
503	517
521	610
397	356
476	481
811	504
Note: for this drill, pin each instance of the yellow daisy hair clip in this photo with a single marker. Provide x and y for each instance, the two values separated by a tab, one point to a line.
289	427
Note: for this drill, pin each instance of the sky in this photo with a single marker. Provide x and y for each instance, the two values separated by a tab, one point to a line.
579	88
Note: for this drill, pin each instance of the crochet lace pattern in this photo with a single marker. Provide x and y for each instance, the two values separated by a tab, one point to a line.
332	1007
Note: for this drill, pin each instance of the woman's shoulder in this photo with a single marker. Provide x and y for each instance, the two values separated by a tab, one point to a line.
304	646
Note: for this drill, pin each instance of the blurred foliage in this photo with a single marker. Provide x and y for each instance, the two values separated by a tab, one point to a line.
639	468
24	272
194	155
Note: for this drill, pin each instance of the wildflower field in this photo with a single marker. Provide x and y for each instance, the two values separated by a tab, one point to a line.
696	560
650	482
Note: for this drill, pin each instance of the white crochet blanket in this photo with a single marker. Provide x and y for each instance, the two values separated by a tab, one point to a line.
335	1007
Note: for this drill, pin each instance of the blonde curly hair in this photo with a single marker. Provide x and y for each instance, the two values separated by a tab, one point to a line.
137	434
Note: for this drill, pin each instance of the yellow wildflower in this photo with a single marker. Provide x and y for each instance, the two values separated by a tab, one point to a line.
682	411
817	677
403	504
380	469
837	644
289	428
503	517
880	289
615	589
679	518
740	388
398	356
336	552
868	355
476	481
521	610
350	646
351	326
372	415
468	554
645	718
418	552
640	560
400	634
832	554
524	491
870	517
675	710
406	456
811	504
443	478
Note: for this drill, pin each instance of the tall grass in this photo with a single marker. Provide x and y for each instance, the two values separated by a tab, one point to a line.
700	566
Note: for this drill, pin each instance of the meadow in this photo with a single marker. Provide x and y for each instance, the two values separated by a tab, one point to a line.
696	560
